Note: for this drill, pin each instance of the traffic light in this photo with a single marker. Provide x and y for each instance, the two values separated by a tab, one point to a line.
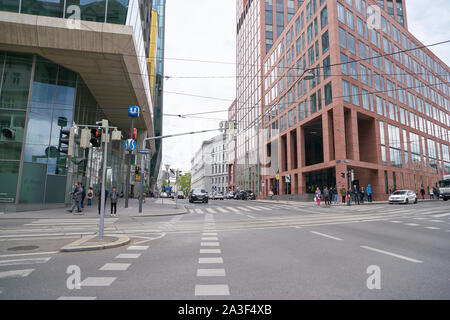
137	170
133	135
85	139
96	136
66	141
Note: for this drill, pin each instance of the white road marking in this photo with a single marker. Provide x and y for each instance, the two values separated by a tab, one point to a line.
115	267
138	248
212	290
210	260
419	218
252	217
396	221
128	256
199	211
326	235
244	208
97	282
222	210
23	261
210	244
436	221
392	254
27	254
209	233
254	208
262	208
16	273
77	298
211	210
211	273
232	209
412	224
441	215
210	239
210	251
432	228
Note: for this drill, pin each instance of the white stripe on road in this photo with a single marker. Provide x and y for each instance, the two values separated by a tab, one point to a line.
23	261
115	267
211	210
222	210
412	224
210	251
16	273
244	208
77	298
396	221
262	208
210	260
325	235
128	256
211	273
432	228
27	254
210	244
252	217
98	282
210	239
254	208
199	211
441	215
392	254
232	209
209	233
212	290
436	221
141	248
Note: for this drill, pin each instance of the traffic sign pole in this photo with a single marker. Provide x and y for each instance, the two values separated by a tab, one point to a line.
103	192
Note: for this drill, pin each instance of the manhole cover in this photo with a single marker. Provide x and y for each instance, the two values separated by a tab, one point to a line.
23	248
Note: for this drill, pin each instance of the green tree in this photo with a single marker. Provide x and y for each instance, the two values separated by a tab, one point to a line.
185	183
164	183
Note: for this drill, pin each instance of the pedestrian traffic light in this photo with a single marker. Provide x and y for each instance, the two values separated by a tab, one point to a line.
96	136
66	141
137	170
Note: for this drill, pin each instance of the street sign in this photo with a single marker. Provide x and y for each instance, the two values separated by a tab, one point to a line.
144	151
133	111
130	145
262	183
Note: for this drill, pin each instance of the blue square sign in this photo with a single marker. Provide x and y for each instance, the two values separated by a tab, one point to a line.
133	111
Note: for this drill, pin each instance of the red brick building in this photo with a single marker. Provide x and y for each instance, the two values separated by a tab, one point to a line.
377	105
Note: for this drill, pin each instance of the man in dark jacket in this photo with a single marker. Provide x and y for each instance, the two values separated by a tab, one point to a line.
114	197
83	194
76	198
355	194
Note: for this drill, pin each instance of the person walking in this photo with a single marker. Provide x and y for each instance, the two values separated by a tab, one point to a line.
369	193
90	196
76	198
100	199
362	194
343	195
114	197
83	194
355	194
317	196
326	195
422	192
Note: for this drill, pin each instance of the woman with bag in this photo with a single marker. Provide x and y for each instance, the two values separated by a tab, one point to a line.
318	194
90	196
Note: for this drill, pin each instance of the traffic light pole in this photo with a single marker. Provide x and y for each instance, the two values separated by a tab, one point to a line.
127	182
103	192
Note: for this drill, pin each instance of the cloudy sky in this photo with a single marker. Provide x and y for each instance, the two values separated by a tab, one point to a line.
206	30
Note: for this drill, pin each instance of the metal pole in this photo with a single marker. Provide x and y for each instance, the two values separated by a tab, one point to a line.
102	199
127	191
176	191
142	178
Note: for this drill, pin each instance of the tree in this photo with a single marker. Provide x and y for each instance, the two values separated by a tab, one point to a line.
185	183
164	183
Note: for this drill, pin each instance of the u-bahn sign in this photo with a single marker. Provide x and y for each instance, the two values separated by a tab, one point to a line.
133	111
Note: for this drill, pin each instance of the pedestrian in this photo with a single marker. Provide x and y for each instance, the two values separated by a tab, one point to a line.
369	193
335	194
422	192
76	198
326	195
318	195
355	194
100	199
362	194
343	195
114	198
90	196
271	194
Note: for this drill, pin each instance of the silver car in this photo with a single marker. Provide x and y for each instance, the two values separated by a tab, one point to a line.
403	196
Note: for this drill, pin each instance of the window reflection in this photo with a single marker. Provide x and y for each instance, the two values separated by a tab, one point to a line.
50	8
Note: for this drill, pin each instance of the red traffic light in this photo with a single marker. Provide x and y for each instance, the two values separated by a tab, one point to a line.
133	135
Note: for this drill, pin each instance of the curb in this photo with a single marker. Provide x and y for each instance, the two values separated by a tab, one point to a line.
185	211
78	246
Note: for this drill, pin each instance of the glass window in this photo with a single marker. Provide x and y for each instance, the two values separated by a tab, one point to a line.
51	8
343	38
353	69
355	95
346	90
16	81
91	10
324	18
313	100
350	23
328	94
12	124
33	178
7	5
341	12
344	64
9	172
326	67
117	11
325	42
351	44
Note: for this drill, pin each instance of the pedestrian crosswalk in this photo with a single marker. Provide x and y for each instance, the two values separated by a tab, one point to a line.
240	209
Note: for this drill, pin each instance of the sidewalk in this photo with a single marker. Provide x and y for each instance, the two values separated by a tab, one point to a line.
152	208
313	203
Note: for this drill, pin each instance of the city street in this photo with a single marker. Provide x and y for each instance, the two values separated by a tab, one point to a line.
233	249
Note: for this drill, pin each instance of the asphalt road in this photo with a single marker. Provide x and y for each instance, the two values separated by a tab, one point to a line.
238	250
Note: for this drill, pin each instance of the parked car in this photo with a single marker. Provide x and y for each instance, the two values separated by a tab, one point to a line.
249	195
172	195
180	195
217	196
403	196
163	195
230	195
240	195
198	195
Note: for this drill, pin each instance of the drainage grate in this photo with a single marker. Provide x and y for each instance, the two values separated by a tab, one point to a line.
23	248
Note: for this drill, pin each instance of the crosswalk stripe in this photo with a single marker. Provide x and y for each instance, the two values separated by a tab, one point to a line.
77	298
115	267
211	210
441	215
98	281
16	273
222	210
23	261
212	290
141	248
128	256
262	208
199	211
211	273
232	209
254	208
244	208
210	260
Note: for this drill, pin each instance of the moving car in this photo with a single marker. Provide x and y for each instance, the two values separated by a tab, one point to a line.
180	195
198	195
217	196
403	196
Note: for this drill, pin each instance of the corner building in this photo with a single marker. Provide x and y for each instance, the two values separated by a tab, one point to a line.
377	105
64	64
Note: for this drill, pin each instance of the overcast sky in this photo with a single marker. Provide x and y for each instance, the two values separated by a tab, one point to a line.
206	30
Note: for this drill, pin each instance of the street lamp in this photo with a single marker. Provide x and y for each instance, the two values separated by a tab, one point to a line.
309	76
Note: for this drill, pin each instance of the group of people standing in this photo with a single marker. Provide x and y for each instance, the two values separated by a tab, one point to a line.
79	195
356	194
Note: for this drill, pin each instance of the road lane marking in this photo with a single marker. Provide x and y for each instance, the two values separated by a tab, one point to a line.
396	221
210	239
115	267
436	221
244	208
254	208
212	290
222	210
23	261
211	210
392	254
98	281
209	234
432	228
441	215
209	244
262	208
128	256
252	217
210	260
211	273
412	224
232	209
16	273
199	211
142	248
28	254
210	251
77	298
326	235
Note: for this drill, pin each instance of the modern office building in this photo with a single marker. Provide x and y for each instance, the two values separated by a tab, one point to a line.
332	93
68	64
209	166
